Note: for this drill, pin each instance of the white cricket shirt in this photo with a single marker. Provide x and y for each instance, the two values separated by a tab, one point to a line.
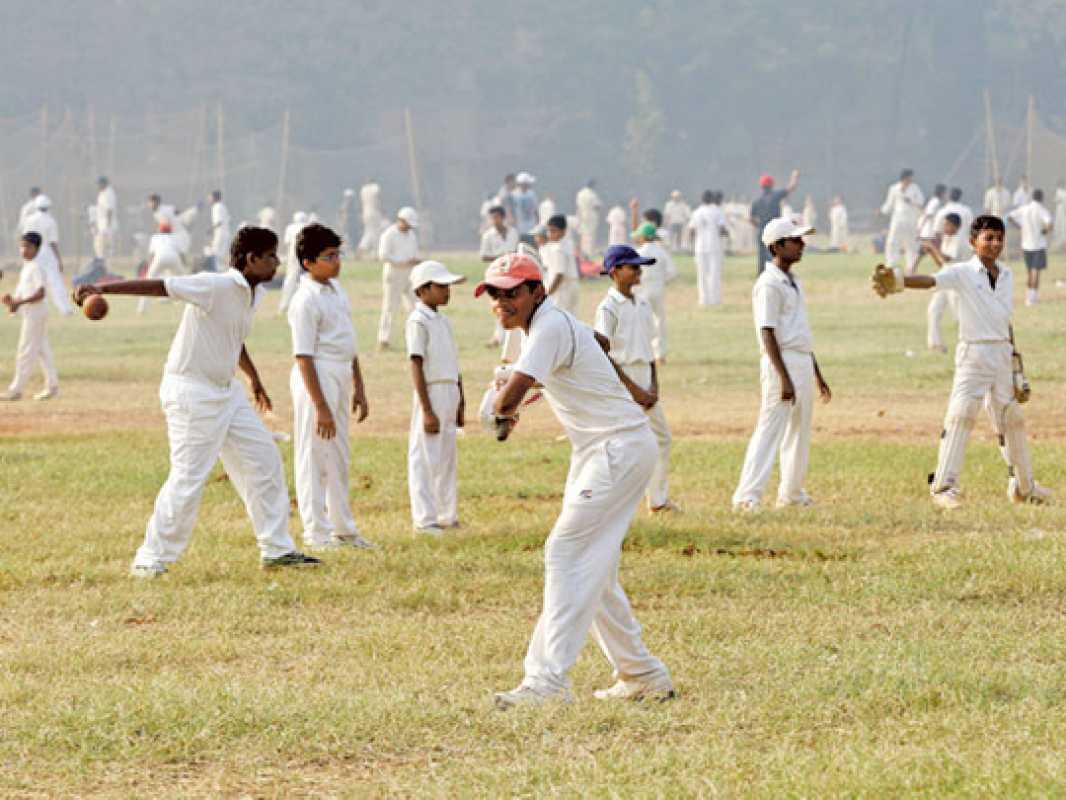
558	259
581	385
628	323
984	312
653	277
707	222
928	228
777	302
320	317
429	335
904	205
1032	218
494	244
31	279
106	202
213	328
396	246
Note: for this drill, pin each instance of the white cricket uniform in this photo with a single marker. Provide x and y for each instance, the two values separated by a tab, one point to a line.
220	233
1033	219
545	211
904	205
959	242
28	209
838	227
616	226
395	249
927	229
706	223
432	459
652	287
777	302
163	258
373	219
613	456
1059	230
44	224
106	214
629	325
588	214
292	265
676	214
559	259
983	372
955	248
320	317
493	245
1022	195
997	201
33	347
267	217
208	415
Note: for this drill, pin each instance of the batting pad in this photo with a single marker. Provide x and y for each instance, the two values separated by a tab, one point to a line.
958	424
1014	444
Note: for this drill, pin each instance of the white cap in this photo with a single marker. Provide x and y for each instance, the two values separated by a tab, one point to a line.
783	228
675	193
408	215
525	177
299	217
349	192
433	272
42	202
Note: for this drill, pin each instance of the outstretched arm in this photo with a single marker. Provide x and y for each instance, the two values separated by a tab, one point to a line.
262	399
138	288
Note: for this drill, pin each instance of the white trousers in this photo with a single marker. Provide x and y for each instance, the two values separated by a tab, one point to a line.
658	492
396	288
103	244
568	296
33	348
372	226
220	240
709	277
783	427
656	297
582	593
433	460
941	300
902	243
320	466
156	269
588	229
203	423
55	288
289	285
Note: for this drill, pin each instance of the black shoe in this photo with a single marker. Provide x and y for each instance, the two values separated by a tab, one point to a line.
293	559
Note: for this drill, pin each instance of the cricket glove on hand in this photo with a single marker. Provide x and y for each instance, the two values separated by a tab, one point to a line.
1021	384
886	281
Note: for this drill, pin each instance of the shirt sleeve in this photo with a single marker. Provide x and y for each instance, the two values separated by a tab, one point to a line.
767	306
417	338
303	320
384	246
34	280
485	249
948	277
197	290
606	322
545	349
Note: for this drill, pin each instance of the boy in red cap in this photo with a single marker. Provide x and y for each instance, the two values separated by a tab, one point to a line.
613	456
766	208
164	256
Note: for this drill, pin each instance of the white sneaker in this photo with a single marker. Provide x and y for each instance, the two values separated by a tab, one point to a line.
1040	495
47	394
528	696
804	500
10	395
436	531
746	507
948	499
154	570
659	688
354	540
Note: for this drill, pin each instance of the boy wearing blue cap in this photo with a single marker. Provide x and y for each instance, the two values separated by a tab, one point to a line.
627	321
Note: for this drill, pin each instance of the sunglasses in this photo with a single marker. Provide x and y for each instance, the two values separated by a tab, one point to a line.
507	294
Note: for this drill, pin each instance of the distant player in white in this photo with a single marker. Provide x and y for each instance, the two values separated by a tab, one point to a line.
43	223
613	456
616	226
589	206
292	263
267	217
927	231
1035	223
28	209
984	361
546	210
220	228
1022	194
106	219
903	205
373	219
676	214
398	252
498	238
28	301
997	199
164	258
954	245
810	212
789	374
708	226
560	265
838	225
652	285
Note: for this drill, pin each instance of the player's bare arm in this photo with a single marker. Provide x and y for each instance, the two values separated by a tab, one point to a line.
460	414
325	425
359	403
823	387
430	421
259	393
773	352
508	400
138	288
14	303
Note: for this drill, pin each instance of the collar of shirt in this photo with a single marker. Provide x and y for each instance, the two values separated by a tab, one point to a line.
978	266
541	310
618	297
317	286
781	275
425	310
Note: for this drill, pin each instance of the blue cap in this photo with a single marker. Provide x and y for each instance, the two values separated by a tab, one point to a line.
619	255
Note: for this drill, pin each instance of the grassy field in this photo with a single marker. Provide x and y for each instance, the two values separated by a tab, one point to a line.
869	646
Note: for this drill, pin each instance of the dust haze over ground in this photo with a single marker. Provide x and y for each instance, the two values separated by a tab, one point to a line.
644	97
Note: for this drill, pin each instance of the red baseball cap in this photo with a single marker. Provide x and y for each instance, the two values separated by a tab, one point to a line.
165	227
766	180
508	271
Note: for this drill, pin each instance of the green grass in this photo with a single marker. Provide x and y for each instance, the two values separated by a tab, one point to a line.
870	646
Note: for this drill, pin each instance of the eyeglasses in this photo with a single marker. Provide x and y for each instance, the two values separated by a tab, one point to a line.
329	256
507	294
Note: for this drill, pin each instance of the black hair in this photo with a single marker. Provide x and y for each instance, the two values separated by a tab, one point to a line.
557	221
35	190
216	194
987	222
940	189
654	216
498	210
954	219
508	177
708	196
155	197
907	173
1038	195
718	196
313	240
32	237
251	241
956	193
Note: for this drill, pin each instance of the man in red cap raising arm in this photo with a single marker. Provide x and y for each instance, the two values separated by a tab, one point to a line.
613	455
766	208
